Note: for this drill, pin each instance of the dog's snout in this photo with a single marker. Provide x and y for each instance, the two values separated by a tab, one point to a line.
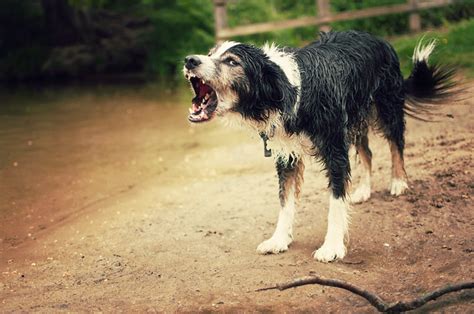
191	62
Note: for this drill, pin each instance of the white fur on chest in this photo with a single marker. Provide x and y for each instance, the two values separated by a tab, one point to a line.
280	142
283	144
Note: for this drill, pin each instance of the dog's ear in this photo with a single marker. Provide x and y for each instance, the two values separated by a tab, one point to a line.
265	89
271	87
275	88
271	91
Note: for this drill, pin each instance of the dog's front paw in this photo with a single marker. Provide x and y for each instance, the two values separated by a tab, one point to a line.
398	187
274	245
330	252
361	194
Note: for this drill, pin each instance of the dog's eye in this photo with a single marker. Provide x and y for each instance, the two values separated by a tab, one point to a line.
231	62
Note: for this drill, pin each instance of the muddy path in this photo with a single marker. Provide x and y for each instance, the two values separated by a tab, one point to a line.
112	201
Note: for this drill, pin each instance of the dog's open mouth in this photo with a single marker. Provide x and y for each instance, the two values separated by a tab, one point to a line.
204	104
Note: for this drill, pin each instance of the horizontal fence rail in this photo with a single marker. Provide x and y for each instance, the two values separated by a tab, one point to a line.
322	19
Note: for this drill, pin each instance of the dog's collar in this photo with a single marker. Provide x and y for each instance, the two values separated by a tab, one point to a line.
265	137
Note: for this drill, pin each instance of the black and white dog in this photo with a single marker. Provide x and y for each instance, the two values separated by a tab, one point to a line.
316	101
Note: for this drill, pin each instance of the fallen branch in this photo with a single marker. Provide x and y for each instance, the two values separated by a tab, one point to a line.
374	299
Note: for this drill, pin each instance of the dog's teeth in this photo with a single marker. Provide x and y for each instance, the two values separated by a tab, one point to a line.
204	82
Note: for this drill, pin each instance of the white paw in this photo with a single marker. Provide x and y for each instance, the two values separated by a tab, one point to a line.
398	187
330	252
275	245
361	194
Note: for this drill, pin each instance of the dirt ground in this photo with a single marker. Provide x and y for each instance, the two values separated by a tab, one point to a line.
112	201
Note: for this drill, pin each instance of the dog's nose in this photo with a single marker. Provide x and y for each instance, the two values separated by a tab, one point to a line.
191	62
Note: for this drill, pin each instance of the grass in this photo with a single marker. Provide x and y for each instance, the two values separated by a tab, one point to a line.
455	47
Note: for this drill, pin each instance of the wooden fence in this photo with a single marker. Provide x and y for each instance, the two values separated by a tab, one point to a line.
323	17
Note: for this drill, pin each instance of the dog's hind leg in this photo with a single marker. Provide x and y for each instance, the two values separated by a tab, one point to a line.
290	175
392	122
335	155
362	192
399	183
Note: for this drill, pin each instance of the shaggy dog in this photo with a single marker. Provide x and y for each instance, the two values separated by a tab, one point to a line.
316	101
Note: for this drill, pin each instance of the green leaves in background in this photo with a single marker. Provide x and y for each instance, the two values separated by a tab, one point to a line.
181	27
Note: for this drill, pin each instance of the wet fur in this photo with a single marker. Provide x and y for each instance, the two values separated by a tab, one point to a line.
349	80
319	100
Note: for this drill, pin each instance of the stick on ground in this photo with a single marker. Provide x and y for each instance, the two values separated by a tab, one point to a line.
374	299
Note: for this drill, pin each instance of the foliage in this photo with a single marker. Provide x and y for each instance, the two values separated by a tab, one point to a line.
250	11
22	38
387	25
394	24
181	27
379	25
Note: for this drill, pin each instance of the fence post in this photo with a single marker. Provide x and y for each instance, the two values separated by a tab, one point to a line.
324	10
220	18
414	20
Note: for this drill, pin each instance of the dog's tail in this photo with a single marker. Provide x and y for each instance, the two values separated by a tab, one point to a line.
428	85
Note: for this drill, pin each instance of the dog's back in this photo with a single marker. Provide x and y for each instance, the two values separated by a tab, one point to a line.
347	72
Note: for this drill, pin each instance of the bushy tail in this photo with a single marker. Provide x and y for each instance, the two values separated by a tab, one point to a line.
428	85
